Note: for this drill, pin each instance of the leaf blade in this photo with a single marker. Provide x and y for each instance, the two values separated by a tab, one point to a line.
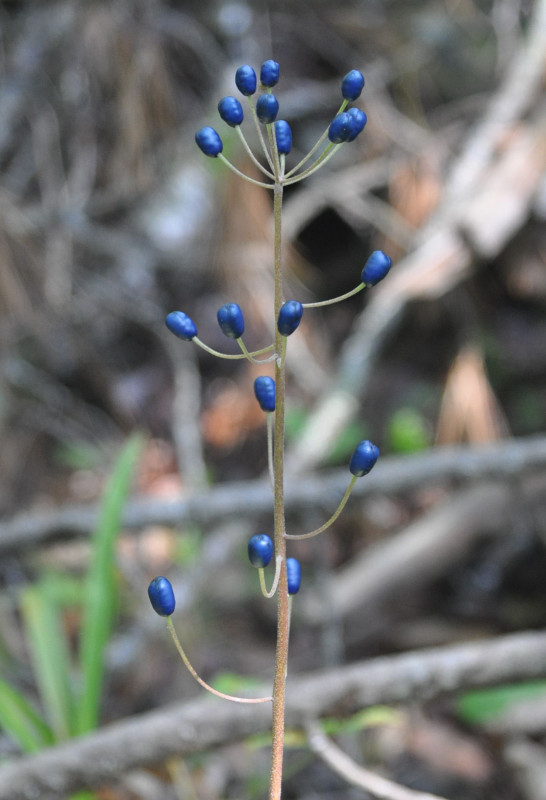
50	657
99	593
21	721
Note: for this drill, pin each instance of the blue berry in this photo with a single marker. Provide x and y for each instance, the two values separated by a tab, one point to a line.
231	111
245	80
283	135
293	575
358	121
375	268
160	592
264	389
363	458
289	317
269	73
340	128
208	140
181	325
267	108
231	320
260	550
352	85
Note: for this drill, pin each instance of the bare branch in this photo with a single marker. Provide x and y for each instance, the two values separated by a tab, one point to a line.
420	553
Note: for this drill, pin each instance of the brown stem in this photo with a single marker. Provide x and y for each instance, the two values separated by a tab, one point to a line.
281	656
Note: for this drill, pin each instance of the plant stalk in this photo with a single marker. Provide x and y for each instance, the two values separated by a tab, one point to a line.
283	617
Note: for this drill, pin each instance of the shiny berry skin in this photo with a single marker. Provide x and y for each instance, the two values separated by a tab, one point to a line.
245	80
231	320
264	389
260	550
340	128
293	575
208	140
375	268
181	325
289	317
283	135
160	592
358	121
352	85
363	458
231	111
267	108
269	73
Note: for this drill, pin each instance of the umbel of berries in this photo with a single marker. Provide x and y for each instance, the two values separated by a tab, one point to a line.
254	105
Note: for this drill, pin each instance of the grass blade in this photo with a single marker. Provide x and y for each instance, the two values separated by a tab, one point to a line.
100	590
50	656
21	722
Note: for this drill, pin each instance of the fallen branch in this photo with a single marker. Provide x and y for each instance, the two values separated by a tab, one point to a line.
419	554
105	756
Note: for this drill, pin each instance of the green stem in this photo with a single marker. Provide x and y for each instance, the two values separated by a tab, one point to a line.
275	583
233	356
283	616
317	144
199	680
251	154
338	299
270	424
329	151
332	519
250	357
260	134
238	172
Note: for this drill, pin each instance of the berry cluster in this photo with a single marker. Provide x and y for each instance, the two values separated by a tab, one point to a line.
345	126
275	138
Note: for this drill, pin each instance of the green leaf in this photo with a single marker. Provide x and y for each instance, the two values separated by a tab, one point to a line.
485	704
21	722
50	657
100	591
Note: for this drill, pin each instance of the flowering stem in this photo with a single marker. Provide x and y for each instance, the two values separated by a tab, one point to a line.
283	616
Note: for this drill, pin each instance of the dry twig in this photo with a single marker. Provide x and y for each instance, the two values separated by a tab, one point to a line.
353	773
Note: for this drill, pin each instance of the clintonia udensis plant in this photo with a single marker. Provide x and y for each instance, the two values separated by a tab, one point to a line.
275	141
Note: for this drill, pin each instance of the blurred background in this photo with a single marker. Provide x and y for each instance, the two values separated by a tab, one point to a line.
110	217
